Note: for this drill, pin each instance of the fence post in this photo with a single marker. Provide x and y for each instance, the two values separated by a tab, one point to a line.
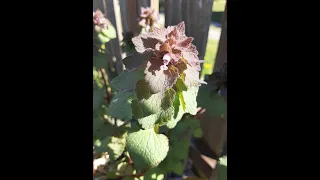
221	56
173	14
129	15
113	46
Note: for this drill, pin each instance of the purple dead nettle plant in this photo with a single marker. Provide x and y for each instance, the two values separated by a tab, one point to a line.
158	87
148	18
100	21
167	54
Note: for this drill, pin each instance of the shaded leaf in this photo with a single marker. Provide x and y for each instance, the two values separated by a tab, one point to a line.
136	109
157	102
222	169
127	80
214	103
120	106
158	109
142	89
98	97
136	60
198	133
179	145
146	148
145	42
100	62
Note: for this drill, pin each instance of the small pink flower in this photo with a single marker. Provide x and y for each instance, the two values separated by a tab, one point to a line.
166	59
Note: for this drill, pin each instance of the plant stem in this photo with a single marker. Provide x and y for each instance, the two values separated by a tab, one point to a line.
156	128
106	85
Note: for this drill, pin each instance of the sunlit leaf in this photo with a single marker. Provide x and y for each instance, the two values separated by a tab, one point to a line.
109	32
146	148
113	145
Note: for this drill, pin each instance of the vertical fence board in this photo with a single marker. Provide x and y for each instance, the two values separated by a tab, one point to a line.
220	59
197	16
123	12
221	56
173	13
113	45
130	16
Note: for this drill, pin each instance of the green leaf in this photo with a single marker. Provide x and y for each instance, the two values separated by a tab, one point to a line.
219	105
197	133
178	113
124	169
142	89
167	100
154	174
158	109
223	160
176	105
190	99
158	102
185	98
180	85
113	145
120	106
222	169
148	122
102	128
173	163
136	110
183	104
212	102
127	80
179	145
103	39
109	32
96	79
146	148
100	62
98	97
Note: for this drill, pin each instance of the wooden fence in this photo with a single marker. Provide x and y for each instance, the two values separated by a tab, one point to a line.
196	14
